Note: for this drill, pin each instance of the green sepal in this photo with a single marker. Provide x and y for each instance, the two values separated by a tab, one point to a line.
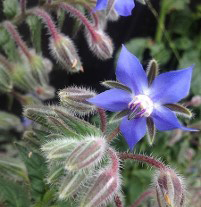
118	116
151	131
152	71
115	84
80	126
6	84
60	127
179	109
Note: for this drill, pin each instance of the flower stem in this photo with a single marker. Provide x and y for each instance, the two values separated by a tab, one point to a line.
113	134
103	119
48	21
23	6
142	197
161	29
80	17
15	35
117	201
142	158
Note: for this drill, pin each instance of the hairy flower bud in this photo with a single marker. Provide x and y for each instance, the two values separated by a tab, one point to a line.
71	183
63	50
99	43
105	186
58	149
87	153
170	189
74	99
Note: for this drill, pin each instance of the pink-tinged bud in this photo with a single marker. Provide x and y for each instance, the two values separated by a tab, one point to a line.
170	190
99	43
64	51
87	153
71	184
195	101
74	99
105	186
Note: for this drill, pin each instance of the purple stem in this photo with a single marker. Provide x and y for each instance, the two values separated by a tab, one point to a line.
103	119
142	158
142	197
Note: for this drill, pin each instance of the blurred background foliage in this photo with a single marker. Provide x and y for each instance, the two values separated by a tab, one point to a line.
167	30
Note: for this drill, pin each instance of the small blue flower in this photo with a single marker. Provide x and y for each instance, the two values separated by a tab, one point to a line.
123	7
145	100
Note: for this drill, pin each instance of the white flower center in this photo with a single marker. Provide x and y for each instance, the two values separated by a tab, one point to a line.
141	105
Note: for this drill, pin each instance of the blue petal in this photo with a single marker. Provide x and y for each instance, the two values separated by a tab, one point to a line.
130	72
133	130
172	86
165	119
101	5
124	7
112	100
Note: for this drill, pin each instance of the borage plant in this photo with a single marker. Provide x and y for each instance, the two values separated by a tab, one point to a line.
68	161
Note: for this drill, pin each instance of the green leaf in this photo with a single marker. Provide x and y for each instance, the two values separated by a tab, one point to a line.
10	8
137	46
193	56
12	168
35	29
36	168
13	194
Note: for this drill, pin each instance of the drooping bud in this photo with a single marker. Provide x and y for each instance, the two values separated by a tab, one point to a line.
105	186
74	99
63	49
99	43
170	190
6	84
87	153
71	183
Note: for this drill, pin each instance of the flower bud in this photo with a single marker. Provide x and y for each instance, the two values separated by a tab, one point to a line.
170	189
71	183
5	81
74	99
195	101
63	50
87	153
105	186
58	149
99	43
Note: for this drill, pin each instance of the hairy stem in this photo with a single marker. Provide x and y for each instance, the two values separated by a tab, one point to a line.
142	158
23	6
103	119
15	35
142	197
113	134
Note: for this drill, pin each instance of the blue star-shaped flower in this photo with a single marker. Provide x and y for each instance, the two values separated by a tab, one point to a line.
123	7
145	100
